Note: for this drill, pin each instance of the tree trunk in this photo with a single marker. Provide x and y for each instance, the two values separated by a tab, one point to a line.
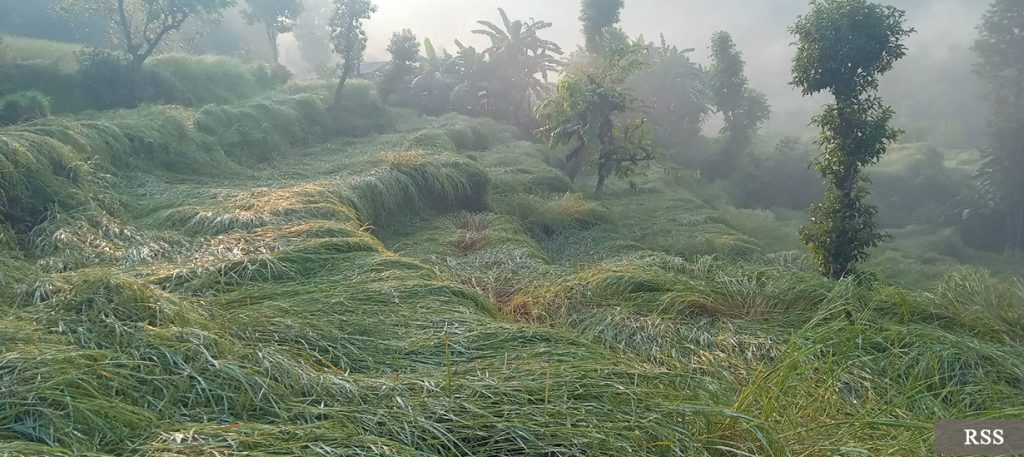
137	81
341	87
846	185
602	176
575	161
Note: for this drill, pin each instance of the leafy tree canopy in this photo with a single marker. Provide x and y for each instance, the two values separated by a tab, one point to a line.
139	27
348	37
843	46
597	17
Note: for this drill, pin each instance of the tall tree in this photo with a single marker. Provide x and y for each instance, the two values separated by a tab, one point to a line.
312	34
598	16
843	47
1000	48
348	38
674	87
277	17
405	53
139	27
437	79
744	109
520	61
591	110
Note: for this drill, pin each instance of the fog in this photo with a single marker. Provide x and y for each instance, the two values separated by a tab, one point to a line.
933	90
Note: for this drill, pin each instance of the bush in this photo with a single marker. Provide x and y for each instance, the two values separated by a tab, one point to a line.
271	76
914	186
44	77
23	107
782	178
107	80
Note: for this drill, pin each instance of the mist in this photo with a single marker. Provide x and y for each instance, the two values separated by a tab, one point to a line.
932	86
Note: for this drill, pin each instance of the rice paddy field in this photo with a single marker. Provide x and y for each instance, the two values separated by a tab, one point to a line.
240	280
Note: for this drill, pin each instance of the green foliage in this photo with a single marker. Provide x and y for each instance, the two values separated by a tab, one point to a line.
844	46
405	54
107	80
743	108
1002	68
139	27
15	49
439	290
63	165
348	38
359	111
597	17
512	72
673	90
23	107
586	113
780	178
277	17
436	81
199	80
502	81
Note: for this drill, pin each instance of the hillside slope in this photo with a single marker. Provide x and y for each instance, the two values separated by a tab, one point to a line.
441	290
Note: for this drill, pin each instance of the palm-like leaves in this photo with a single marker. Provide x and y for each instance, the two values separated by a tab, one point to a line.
520	61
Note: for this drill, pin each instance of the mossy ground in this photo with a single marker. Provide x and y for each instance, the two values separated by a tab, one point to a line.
442	289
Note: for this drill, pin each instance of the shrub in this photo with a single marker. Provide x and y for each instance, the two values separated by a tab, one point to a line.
45	77
107	80
781	178
23	107
271	76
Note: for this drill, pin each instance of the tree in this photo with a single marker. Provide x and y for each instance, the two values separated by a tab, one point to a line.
520	61
312	35
405	54
589	111
598	16
843	47
139	27
744	109
348	38
277	17
437	79
1000	48
674	87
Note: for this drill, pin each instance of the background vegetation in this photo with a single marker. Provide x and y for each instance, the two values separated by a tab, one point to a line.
205	255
